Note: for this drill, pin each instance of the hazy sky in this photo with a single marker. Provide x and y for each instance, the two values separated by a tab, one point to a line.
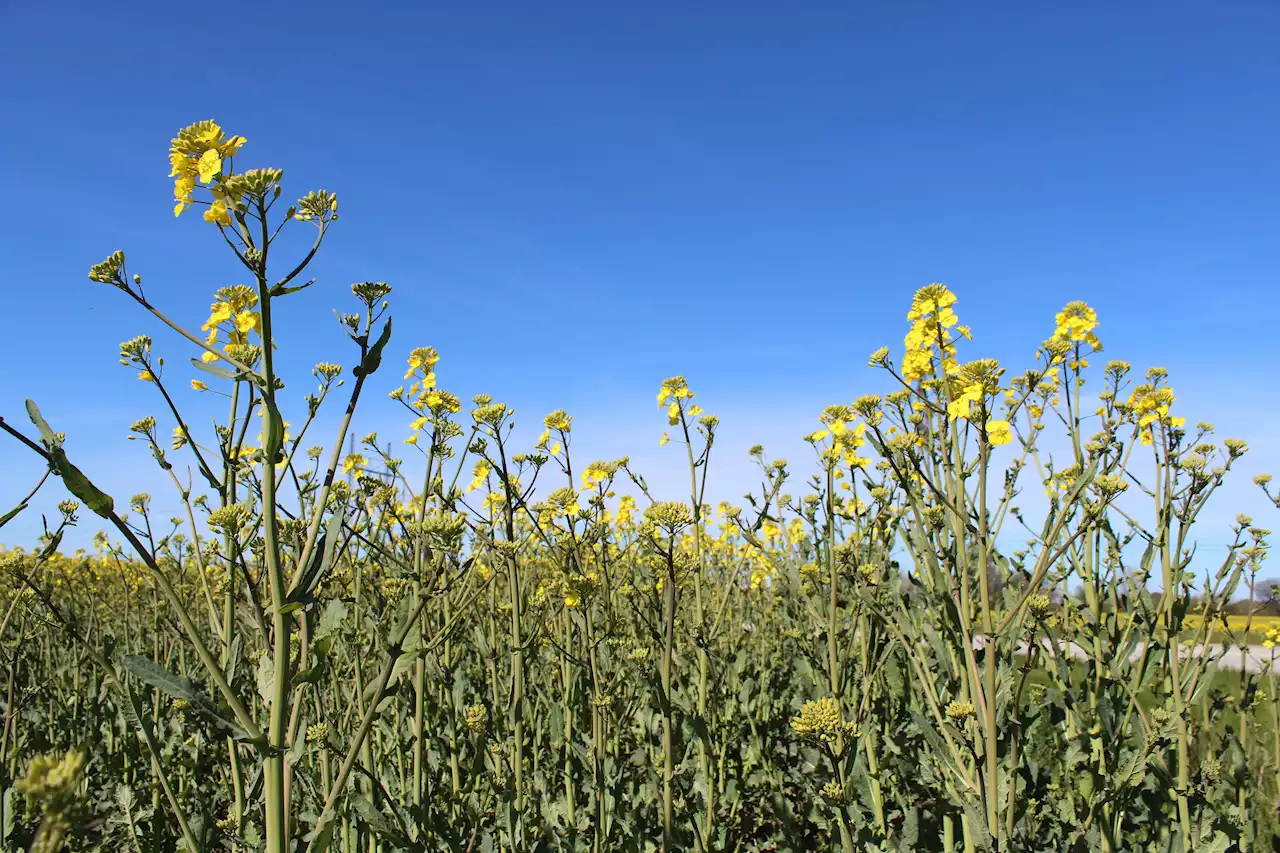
576	200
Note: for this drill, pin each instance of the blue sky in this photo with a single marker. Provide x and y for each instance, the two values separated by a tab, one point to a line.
576	200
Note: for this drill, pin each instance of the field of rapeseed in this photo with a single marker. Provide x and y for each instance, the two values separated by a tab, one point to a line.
486	645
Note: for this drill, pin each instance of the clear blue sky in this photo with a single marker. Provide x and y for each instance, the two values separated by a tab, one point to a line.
575	200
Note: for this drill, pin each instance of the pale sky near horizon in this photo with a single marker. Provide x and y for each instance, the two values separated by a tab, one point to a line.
575	201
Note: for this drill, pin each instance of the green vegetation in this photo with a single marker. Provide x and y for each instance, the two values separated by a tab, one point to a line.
489	646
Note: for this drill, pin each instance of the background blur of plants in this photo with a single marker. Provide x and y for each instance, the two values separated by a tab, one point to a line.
486	645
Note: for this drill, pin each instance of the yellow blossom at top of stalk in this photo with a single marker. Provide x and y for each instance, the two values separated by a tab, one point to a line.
1149	405
821	720
932	323
597	473
196	157
558	420
422	361
1076	323
676	387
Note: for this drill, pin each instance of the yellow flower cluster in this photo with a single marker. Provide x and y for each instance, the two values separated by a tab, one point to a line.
821	720
1075	323
932	323
232	310
195	157
846	437
424	396
673	394
1149	406
53	782
354	462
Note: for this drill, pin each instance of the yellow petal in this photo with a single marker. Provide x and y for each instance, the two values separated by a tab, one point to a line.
210	165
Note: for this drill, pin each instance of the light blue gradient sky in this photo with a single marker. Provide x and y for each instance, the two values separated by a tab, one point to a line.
576	200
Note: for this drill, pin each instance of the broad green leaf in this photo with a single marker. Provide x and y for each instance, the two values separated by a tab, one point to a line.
373	358
331	619
80	486
170	683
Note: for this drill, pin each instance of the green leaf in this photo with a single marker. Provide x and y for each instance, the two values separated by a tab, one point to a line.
46	433
335	612
80	485
1218	844
312	673
377	821
11	514
281	290
320	837
180	687
373	358
264	677
290	607
220	372
1084	479
6	803
296	749
147	670
321	558
76	482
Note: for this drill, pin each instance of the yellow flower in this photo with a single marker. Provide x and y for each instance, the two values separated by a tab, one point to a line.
595	474
198	385
676	387
217	213
218	313
352	462
422	359
208	357
932	320
1076	322
209	165
962	405
196	156
999	432
665	438
480	473
558	420
146	376
248	321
